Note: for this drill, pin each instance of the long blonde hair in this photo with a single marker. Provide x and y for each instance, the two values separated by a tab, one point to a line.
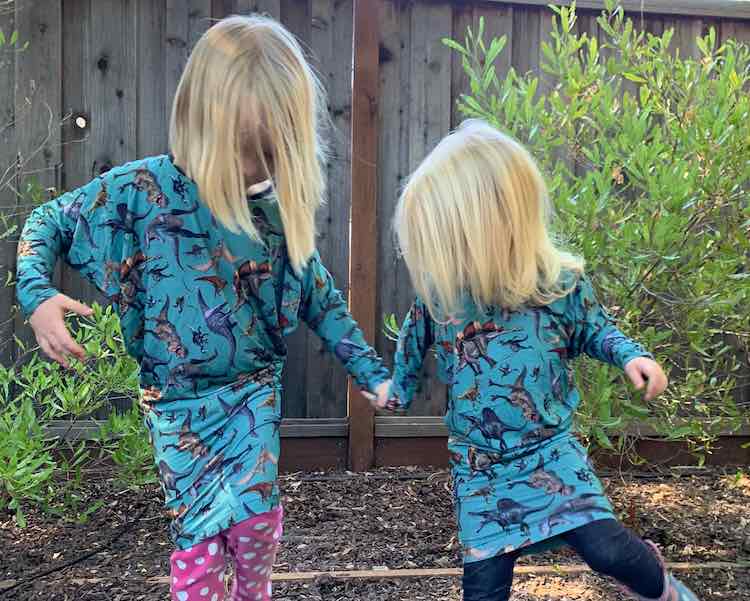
252	69
473	220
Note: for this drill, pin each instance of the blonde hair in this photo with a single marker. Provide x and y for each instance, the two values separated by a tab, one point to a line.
473	220
252	69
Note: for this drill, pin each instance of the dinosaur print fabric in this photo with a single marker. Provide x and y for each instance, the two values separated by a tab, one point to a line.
205	313
520	476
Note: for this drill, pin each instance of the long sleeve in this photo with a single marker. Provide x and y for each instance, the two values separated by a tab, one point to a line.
594	332
325	312
80	227
415	339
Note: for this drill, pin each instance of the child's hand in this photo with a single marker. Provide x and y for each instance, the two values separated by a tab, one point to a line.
381	399
644	371
48	323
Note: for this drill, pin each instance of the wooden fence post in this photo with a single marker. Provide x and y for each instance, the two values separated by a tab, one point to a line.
364	211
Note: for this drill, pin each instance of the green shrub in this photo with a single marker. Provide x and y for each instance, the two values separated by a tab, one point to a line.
646	154
36	467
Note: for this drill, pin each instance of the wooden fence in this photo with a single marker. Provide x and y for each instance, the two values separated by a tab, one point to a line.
116	63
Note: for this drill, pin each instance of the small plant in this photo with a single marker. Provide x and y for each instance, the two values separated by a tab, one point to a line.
37	467
125	439
26	462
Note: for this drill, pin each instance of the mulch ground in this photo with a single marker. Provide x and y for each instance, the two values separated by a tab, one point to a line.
396	518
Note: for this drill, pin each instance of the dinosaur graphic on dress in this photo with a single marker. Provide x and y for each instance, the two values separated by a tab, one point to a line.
265	457
241	408
145	181
587	503
221	251
490	425
102	198
187	441
217	282
548	481
169	477
215	464
264	489
126	219
167	332
472	345
610	343
220	321
538	435
472	395
172	225
481	462
485	492
346	349
509	513
149	363
248	279
519	397
190	372
261	223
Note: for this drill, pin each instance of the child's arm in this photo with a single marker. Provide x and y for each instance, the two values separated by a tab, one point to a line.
73	227
414	340
594	333
325	312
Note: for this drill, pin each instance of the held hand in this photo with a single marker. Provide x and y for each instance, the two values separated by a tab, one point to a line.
48	323
381	400
643	371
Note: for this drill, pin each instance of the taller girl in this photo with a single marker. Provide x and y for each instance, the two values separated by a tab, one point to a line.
209	257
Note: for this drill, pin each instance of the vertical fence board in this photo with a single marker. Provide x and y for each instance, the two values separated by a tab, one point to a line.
7	194
75	103
38	98
330	38
526	36
392	149
272	8
363	260
152	117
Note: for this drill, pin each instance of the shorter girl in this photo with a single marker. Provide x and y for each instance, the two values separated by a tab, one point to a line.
508	312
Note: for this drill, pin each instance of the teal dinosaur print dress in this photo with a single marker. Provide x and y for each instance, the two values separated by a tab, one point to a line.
520	476
205	313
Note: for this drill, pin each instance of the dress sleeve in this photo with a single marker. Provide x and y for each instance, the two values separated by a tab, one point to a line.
90	228
414	340
325	312
594	332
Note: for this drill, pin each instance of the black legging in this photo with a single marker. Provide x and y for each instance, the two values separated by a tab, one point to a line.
605	545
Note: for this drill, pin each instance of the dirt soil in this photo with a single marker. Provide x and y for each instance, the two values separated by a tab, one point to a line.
399	518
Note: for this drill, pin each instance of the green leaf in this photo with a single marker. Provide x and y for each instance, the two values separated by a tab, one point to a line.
455	46
634	77
13	38
2	38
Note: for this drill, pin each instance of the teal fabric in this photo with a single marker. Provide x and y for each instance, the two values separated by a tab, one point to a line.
521	478
205	312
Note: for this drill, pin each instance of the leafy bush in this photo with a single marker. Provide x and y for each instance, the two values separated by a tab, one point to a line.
48	470
646	154
125	439
26	463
